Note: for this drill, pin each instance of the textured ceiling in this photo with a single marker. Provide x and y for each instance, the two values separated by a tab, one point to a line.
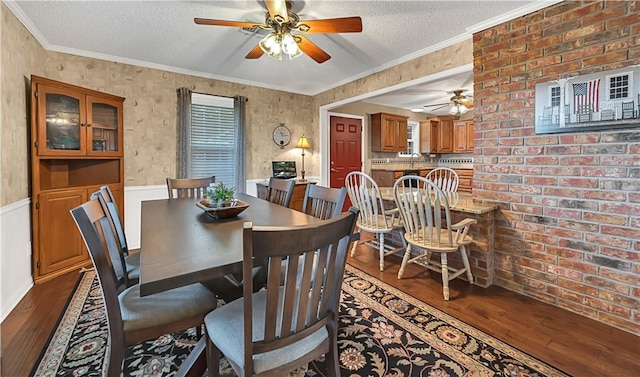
162	34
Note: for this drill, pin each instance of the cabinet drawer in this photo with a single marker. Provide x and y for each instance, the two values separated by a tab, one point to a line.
465	179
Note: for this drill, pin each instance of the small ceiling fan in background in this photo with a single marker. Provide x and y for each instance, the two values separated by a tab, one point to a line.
460	104
287	32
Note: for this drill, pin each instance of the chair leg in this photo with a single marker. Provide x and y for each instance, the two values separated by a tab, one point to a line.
332	359
381	240
465	260
213	359
445	276
405	260
355	245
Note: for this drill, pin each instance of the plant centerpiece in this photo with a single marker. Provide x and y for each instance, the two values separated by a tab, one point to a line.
220	196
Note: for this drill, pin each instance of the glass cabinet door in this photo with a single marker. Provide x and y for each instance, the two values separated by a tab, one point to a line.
63	124
104	121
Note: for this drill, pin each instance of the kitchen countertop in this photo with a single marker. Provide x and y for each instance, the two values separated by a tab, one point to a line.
406	167
458	201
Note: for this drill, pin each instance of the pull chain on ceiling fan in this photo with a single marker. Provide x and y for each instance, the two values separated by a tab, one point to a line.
287	32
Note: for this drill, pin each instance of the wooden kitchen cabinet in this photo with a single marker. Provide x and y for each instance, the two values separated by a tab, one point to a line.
76	147
465	177
445	135
386	178
429	136
463	136
388	133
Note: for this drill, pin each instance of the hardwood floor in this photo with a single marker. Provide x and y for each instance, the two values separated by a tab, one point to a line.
577	345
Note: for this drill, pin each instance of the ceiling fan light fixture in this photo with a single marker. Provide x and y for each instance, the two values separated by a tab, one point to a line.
458	109
275	44
271	44
289	45
417	109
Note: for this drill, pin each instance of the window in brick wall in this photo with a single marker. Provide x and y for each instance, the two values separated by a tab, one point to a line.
619	86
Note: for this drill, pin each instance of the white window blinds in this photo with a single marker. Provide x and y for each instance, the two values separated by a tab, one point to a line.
213	138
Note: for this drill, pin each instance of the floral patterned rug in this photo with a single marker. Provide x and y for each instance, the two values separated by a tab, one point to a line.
382	332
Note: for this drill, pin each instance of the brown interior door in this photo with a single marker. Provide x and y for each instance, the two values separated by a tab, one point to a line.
345	154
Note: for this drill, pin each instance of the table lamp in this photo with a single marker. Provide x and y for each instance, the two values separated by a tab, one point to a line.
303	144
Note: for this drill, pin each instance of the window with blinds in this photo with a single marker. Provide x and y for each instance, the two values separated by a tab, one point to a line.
213	138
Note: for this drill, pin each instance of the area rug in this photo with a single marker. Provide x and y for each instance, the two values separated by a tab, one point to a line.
382	332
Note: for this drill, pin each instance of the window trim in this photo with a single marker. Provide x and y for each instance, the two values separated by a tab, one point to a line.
415	133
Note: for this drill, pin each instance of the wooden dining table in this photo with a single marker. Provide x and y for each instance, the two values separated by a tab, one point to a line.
180	244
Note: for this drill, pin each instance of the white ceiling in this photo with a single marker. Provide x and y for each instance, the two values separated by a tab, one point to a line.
162	35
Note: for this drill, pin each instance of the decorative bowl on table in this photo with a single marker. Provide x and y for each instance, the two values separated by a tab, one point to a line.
222	211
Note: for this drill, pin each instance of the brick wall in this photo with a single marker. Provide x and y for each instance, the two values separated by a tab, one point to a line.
568	231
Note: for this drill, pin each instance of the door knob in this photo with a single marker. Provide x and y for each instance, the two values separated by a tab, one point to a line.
333	170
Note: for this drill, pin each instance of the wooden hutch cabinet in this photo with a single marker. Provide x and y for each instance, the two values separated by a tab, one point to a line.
388	133
76	147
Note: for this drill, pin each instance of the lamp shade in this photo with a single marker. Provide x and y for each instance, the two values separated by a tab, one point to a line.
458	109
303	143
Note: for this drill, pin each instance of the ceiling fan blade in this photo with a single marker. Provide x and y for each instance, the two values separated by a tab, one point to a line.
441	107
314	52
437	104
207	21
278	8
332	25
255	53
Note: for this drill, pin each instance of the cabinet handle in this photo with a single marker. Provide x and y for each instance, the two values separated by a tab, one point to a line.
88	124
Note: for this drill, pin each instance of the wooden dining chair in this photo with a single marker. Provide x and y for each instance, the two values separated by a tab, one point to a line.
365	195
131	261
445	179
323	202
132	318
427	222
278	329
280	191
188	187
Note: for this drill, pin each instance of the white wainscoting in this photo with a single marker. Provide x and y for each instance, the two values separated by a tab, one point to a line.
15	254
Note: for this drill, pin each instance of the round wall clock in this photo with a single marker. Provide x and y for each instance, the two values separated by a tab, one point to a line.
281	135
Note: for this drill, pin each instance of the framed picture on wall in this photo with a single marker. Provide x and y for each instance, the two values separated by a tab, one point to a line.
597	101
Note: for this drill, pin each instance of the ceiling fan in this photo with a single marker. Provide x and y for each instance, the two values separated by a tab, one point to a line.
287	32
461	104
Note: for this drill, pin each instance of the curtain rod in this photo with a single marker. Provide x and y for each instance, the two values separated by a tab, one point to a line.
218	95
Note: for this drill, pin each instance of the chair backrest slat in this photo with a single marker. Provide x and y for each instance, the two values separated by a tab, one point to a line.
302	306
280	191
323	202
188	187
444	178
364	194
112	207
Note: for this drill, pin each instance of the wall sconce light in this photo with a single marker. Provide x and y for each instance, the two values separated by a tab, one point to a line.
303	144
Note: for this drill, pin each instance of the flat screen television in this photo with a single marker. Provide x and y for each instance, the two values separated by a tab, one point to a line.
284	169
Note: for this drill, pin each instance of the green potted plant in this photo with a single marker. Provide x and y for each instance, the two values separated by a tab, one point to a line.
220	196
